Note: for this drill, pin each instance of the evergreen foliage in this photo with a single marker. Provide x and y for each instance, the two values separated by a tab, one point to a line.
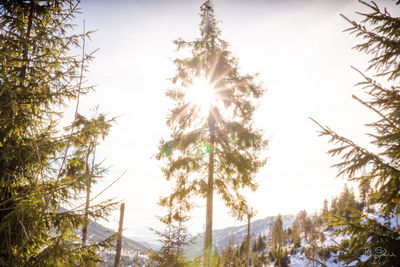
42	166
309	238
296	234
259	252
228	255
278	252
379	169
345	203
175	237
218	151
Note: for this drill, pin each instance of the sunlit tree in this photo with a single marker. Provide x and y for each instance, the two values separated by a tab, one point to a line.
374	235
325	211
228	256
277	240
213	142
175	237
250	213
44	167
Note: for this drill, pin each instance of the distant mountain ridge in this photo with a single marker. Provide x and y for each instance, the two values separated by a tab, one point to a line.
221	237
133	252
99	232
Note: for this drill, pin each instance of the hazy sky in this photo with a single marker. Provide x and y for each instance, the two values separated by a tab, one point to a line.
303	58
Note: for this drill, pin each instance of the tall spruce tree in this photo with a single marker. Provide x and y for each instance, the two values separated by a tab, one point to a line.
43	167
213	143
375	237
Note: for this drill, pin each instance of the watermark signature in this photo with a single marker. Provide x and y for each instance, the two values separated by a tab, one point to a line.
378	254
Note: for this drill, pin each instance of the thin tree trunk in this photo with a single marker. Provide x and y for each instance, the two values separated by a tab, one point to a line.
248	239
86	222
210	189
87	204
119	238
178	245
26	44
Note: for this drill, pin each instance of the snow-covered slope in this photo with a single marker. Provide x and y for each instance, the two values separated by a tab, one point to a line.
221	237
132	252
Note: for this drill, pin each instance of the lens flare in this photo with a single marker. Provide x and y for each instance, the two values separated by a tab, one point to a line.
202	95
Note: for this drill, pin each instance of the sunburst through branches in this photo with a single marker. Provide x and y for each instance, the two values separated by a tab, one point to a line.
202	95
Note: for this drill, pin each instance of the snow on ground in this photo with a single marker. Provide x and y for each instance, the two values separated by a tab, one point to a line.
394	220
300	260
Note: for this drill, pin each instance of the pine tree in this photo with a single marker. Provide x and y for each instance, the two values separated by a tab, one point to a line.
260	250
304	223
346	202
296	234
228	255
365	194
325	212
313	239
214	145
277	240
175	237
43	167
378	169
216	259
334	208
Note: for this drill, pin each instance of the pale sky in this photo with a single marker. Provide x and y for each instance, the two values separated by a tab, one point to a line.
303	59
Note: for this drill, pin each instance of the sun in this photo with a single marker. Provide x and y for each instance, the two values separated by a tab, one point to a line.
201	94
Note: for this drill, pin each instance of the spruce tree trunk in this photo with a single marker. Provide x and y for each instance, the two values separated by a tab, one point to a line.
248	240
87	204
86	222
119	237
210	189
28	34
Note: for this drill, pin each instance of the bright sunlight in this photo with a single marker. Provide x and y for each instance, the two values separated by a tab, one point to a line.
202	95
